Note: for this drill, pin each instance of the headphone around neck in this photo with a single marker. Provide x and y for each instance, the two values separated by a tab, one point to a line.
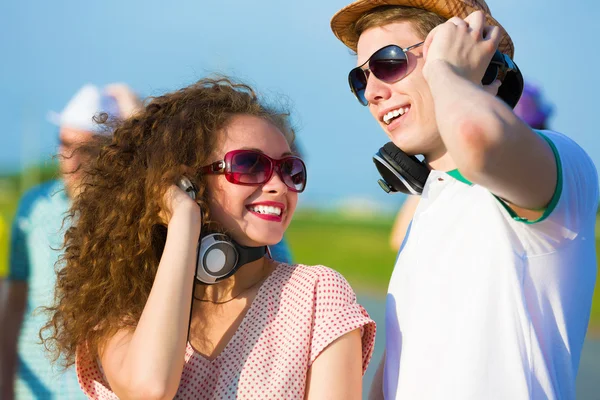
217	255
407	174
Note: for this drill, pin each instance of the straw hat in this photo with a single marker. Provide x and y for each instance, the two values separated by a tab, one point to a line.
343	21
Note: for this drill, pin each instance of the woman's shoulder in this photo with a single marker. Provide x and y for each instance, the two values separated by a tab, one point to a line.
317	280
327	298
311	273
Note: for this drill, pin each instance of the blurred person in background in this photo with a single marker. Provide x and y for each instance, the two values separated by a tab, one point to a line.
282	251
3	248
402	221
36	245
491	292
531	108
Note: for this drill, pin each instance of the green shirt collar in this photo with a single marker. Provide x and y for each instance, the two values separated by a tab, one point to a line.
459	177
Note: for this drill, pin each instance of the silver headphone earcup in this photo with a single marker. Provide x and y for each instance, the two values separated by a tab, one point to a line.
217	257
187	186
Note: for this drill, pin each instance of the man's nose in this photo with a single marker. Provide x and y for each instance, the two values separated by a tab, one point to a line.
377	90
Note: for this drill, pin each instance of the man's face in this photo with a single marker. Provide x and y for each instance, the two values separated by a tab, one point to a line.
70	160
415	132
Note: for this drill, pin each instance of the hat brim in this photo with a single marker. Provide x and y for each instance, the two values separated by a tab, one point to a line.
342	23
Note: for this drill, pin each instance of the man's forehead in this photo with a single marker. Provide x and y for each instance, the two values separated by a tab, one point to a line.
401	33
74	135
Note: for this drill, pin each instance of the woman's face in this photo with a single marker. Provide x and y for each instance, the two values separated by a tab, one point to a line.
252	215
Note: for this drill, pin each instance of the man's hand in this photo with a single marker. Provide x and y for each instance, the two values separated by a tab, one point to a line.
487	142
467	46
127	101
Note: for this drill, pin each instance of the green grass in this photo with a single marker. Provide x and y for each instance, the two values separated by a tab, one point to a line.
359	249
4	237
8	208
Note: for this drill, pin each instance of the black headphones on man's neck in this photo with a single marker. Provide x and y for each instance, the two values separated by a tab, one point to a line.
407	174
218	256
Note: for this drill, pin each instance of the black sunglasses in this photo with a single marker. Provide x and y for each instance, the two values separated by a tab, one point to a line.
389	64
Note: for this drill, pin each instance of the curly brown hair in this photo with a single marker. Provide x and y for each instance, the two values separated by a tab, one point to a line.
113	248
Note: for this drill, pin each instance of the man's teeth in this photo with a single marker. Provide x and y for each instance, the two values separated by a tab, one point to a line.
387	118
266	210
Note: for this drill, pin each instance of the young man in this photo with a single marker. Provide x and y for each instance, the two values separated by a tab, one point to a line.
36	241
491	293
532	108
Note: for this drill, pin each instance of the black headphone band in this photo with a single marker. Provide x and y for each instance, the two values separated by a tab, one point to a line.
394	171
248	254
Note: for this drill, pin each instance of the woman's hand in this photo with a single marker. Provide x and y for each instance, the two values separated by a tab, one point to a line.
176	201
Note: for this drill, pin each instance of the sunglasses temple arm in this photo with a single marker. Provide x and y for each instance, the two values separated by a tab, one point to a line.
214	168
413	46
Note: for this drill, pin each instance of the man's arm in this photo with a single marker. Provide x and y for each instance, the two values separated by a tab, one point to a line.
13	301
490	145
403	219
13	304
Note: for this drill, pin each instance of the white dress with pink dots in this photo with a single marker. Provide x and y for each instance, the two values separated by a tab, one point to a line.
298	311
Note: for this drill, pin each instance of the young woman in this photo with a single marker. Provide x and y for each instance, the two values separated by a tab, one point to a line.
124	311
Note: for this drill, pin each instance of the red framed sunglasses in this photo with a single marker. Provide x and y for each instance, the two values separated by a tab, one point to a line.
253	168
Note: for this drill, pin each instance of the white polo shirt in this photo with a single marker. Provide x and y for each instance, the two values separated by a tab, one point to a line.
485	305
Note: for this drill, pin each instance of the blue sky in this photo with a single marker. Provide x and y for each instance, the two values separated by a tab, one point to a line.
284	48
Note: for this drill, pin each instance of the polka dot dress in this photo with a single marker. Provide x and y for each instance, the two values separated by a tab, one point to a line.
298	311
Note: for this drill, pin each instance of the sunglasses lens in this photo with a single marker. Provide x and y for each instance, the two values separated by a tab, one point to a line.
389	71
491	73
358	83
389	64
249	167
293	174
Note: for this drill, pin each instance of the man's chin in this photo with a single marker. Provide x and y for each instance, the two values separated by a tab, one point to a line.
407	146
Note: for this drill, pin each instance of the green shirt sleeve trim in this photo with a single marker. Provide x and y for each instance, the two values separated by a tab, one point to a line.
557	191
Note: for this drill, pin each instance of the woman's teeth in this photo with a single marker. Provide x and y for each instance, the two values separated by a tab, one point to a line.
387	118
266	210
